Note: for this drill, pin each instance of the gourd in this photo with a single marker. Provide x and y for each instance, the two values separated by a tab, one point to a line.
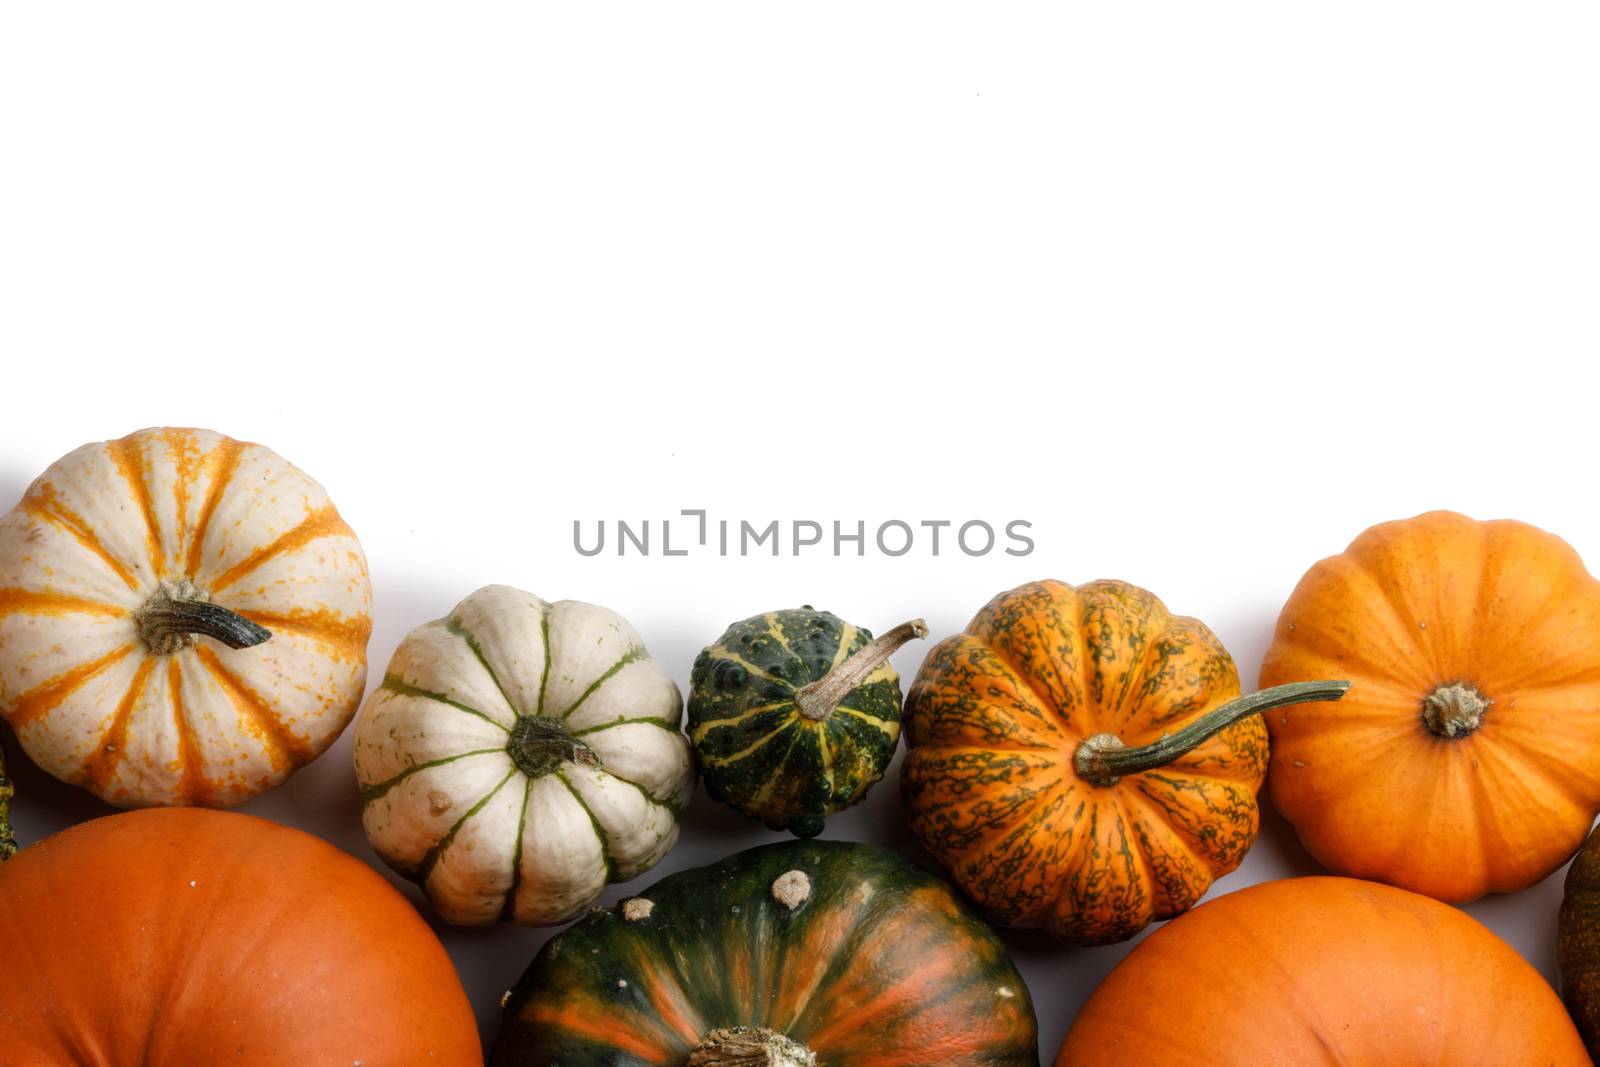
796	714
181	937
520	755
1579	943
1080	760
1321	971
1466	757
8	843
183	619
788	955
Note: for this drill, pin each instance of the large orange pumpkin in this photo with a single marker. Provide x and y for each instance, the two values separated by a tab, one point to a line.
1080	760
1466	757
1323	971
175	938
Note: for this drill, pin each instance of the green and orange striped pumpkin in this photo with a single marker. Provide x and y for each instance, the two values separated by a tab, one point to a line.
183	619
800	953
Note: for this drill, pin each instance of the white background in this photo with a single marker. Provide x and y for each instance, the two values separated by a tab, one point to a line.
1200	290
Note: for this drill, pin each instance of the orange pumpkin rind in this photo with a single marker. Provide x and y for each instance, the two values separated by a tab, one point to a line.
1466	757
1079	760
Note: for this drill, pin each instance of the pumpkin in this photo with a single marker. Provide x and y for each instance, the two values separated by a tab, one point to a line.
1080	760
796	714
1466	758
1579	942
171	938
1322	970
786	955
519	756
8	843
183	619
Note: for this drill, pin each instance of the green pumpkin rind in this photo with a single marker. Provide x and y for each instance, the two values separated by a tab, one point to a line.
758	754
879	964
1578	943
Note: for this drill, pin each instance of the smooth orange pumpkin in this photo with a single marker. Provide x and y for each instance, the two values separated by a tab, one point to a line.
1323	971
1080	759
1466	757
174	938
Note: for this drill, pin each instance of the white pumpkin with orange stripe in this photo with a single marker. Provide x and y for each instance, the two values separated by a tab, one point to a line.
519	756
183	619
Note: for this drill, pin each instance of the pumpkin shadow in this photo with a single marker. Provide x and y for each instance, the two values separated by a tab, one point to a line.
43	805
324	796
1248	641
1279	845
13	483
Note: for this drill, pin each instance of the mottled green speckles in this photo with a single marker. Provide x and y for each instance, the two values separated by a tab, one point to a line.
8	844
992	783
765	755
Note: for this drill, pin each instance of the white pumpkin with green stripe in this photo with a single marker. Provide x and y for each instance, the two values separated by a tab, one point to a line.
521	755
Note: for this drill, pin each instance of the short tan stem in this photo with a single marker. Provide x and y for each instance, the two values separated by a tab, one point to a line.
1103	759
817	700
1454	710
743	1046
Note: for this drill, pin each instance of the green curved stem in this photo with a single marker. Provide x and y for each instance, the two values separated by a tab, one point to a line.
1102	759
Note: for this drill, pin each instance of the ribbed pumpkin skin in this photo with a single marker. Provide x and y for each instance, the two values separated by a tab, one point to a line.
879	966
94	540
179	938
994	718
519	755
1323	971
1579	943
758	754
1411	606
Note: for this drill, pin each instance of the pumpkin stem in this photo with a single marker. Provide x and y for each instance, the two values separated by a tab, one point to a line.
792	889
1454	710
743	1046
540	744
1104	760
817	700
169	620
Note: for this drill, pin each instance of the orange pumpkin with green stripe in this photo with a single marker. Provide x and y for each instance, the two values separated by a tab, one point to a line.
801	953
1080	759
183	619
